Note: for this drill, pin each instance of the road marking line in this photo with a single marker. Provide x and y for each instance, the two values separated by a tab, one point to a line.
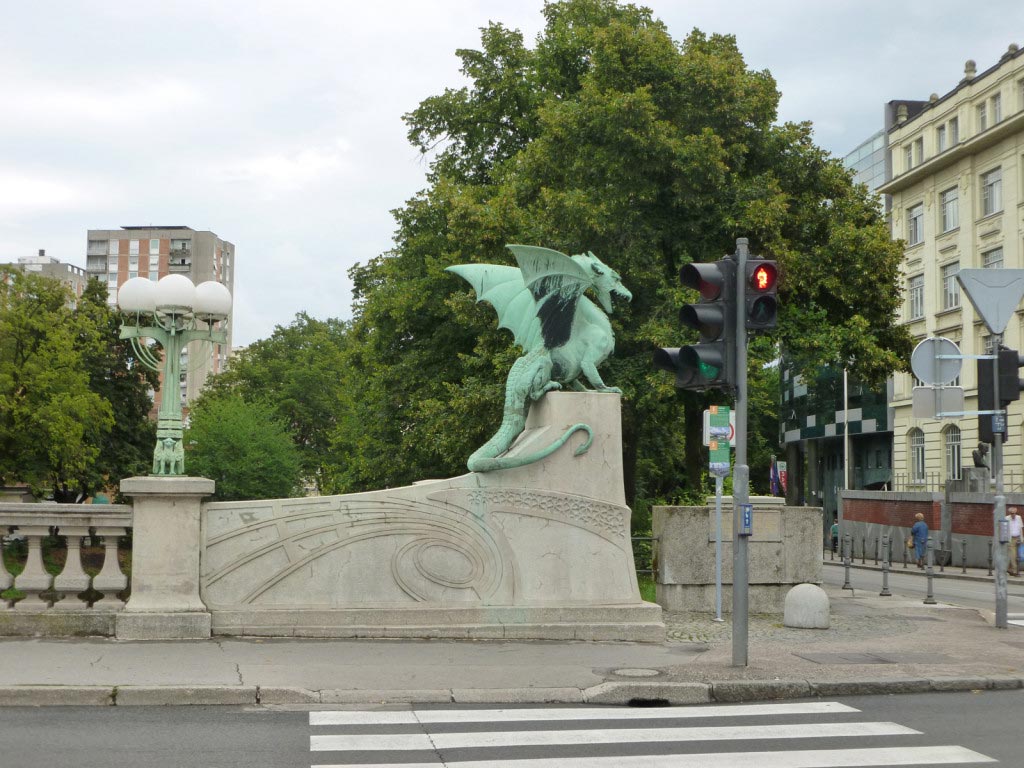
581	713
471	740
815	758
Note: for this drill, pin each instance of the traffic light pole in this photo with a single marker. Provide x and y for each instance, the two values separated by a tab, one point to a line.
741	478
999	508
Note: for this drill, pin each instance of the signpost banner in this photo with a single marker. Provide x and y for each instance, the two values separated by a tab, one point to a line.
719	432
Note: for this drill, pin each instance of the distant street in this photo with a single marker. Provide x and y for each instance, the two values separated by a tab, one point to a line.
931	729
907	583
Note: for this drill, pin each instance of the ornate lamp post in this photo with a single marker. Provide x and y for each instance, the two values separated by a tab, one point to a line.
173	312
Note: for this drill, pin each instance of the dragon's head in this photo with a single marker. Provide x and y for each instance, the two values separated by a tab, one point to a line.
605	280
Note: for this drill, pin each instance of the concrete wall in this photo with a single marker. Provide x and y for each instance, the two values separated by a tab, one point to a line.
785	550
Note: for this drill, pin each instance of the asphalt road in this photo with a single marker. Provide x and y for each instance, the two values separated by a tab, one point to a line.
927	729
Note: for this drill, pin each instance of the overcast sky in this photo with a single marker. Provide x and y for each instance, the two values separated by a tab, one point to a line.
278	126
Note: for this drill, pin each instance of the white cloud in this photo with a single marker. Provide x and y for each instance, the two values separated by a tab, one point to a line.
24	193
118	107
276	173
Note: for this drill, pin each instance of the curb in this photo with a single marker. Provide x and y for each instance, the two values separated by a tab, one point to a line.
936	574
609	693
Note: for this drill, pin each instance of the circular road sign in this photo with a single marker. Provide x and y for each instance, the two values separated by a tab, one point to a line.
932	362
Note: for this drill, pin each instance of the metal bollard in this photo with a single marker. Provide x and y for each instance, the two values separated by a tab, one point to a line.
863	549
990	558
885	569
878	543
942	548
930	571
963	555
904	548
847	543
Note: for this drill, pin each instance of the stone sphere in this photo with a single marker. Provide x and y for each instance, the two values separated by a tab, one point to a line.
807	607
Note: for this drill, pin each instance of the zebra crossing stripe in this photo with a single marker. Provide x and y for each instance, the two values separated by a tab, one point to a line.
812	758
485	739
410	717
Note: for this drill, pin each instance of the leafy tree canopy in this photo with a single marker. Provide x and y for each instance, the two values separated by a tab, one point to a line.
300	371
52	425
243	447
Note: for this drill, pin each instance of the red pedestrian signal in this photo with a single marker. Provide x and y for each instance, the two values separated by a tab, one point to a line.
761	301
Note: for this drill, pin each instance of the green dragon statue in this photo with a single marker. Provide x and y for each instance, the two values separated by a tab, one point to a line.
564	334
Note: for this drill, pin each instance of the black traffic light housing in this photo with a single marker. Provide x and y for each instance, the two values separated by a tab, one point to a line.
711	363
1007	364
762	305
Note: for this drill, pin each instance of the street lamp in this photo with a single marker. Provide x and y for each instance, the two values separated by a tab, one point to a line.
173	312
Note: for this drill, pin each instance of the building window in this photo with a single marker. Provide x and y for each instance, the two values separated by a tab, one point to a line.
954	464
908	157
950	286
997	108
954	131
915	294
916	441
915	224
982	116
949	201
113	246
133	247
940	139
919	151
133	261
992	259
992	192
154	246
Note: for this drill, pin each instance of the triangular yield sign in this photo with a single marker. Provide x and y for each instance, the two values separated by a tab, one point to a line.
994	293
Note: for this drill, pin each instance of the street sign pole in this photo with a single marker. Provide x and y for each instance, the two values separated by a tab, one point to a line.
719	481
741	480
718	432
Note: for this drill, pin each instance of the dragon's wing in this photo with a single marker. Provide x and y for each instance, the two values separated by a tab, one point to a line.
504	289
557	284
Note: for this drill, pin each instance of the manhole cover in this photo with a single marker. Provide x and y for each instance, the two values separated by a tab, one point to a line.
636	672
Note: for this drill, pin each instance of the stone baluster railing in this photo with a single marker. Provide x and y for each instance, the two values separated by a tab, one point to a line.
33	523
34	580
111	579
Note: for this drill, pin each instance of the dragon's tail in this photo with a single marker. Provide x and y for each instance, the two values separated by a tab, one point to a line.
479	463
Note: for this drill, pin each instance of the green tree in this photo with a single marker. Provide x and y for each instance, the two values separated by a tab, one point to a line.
116	375
52	425
299	370
242	446
606	136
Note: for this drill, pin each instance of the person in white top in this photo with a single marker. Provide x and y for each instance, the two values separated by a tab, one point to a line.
1016	524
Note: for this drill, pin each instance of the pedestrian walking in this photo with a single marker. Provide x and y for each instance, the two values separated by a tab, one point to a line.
835	534
919	534
1016	525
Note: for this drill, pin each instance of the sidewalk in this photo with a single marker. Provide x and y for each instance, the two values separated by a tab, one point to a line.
874	645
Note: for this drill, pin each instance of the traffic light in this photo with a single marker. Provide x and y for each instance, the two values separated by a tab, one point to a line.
1007	364
762	304
711	363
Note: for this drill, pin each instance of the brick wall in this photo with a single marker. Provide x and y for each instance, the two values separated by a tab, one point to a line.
896	512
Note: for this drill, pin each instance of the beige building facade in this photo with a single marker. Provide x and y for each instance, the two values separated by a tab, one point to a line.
116	255
957	202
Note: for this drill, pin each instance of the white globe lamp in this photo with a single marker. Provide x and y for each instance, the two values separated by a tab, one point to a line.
212	301
137	295
175	294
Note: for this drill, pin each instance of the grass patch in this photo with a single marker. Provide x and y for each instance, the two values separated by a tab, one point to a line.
647	588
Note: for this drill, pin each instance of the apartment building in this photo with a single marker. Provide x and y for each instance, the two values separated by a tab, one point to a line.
957	201
73	277
117	255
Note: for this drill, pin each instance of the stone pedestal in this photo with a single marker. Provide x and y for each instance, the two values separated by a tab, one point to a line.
165	602
541	551
784	551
